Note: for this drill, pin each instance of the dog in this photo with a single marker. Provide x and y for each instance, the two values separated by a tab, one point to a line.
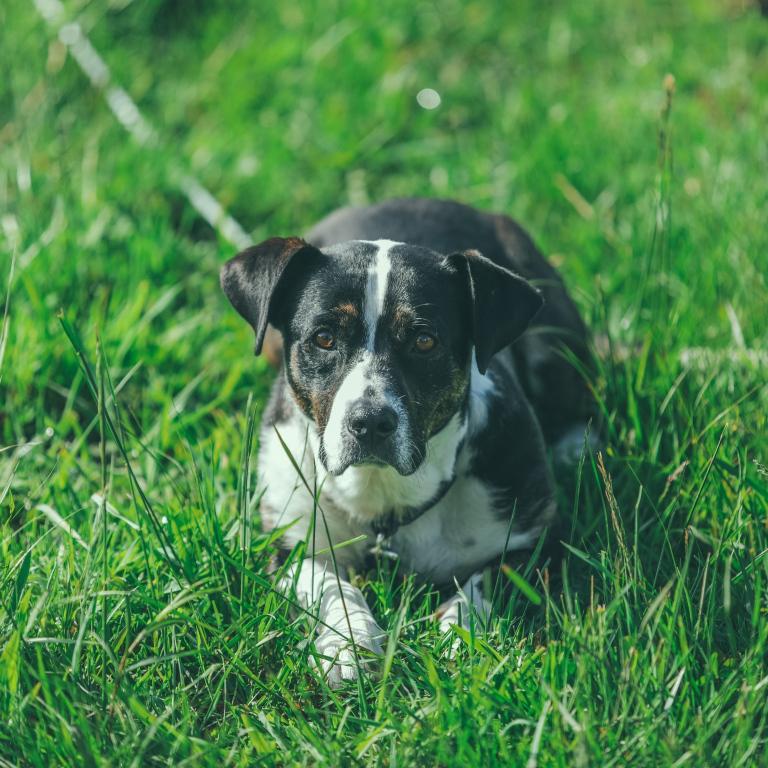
430	358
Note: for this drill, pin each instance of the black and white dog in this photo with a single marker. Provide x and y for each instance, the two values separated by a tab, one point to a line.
413	418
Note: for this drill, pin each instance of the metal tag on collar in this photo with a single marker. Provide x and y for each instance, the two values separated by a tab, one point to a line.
381	547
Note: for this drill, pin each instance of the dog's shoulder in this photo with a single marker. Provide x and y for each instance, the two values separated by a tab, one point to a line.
502	497
507	447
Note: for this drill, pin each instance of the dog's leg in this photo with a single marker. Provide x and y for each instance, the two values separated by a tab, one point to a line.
456	610
572	444
346	624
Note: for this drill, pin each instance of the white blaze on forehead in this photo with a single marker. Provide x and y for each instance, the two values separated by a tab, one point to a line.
361	376
351	389
376	289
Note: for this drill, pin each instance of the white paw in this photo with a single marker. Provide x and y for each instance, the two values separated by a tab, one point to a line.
338	659
577	441
455	612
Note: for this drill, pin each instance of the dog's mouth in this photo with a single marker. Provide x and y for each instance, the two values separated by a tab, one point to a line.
370	461
355	457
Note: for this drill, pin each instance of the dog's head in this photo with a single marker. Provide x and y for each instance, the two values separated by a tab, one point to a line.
378	336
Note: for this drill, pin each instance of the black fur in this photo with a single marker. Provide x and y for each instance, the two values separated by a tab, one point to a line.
251	280
551	383
472	280
431	386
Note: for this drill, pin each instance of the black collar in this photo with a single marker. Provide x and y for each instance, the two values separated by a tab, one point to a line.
387	525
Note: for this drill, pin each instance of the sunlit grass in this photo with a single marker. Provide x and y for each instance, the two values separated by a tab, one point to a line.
138	620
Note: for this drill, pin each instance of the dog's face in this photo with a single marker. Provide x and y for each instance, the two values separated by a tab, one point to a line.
378	337
377	342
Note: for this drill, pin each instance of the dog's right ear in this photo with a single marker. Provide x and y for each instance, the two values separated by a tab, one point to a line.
251	279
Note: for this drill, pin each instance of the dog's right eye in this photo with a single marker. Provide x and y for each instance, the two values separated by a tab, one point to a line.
424	342
324	339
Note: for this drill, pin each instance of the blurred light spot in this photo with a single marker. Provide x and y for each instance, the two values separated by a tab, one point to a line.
438	177
692	186
638	56
558	113
10	227
428	98
57	55
559	41
247	165
357	188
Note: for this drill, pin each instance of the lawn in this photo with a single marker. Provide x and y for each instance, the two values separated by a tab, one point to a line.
138	625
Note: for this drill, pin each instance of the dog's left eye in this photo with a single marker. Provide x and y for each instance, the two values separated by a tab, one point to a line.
324	339
424	342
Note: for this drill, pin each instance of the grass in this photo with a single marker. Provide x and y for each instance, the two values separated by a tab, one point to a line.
138	625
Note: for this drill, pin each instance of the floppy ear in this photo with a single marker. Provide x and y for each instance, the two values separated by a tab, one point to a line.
250	280
503	304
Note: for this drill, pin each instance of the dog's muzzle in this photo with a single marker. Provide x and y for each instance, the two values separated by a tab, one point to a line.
373	433
372	427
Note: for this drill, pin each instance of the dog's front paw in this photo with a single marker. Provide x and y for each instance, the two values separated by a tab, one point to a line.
455	612
339	661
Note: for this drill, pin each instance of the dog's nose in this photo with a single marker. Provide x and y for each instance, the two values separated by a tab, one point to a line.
372	424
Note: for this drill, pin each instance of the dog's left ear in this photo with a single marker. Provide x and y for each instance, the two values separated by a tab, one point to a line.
251	279
503	304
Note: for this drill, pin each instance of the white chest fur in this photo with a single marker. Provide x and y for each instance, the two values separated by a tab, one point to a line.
459	534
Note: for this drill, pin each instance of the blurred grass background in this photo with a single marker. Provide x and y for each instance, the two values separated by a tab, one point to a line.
117	649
